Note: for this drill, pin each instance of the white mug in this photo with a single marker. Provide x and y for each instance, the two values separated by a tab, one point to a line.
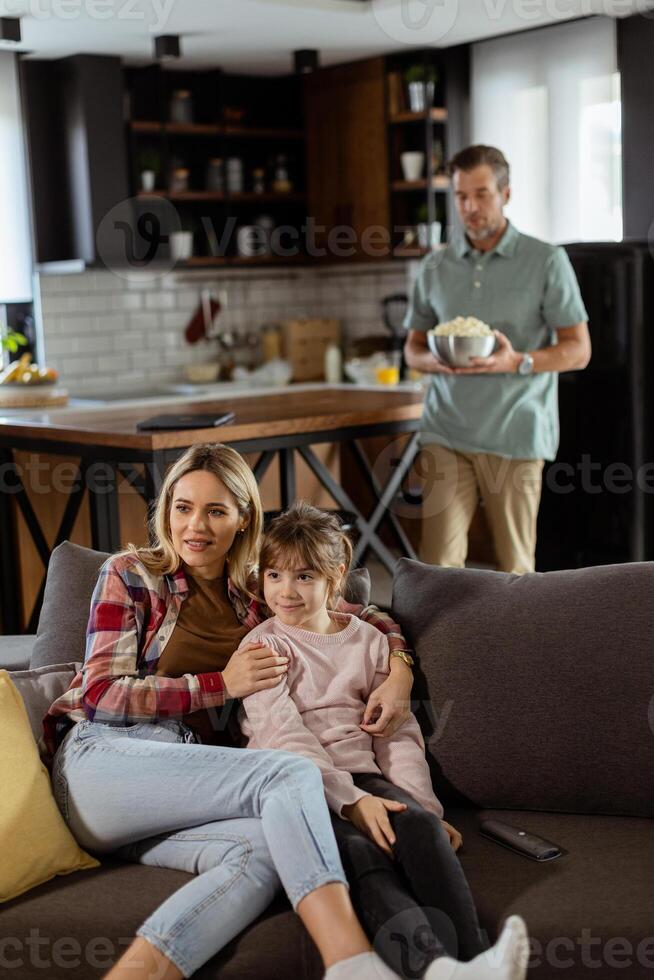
181	245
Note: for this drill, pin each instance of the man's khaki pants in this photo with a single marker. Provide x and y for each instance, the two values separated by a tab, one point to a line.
454	482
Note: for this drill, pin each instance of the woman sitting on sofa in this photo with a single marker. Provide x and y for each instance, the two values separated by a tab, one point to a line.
131	775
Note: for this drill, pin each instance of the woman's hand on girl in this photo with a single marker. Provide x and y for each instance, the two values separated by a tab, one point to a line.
389	705
456	840
253	668
370	815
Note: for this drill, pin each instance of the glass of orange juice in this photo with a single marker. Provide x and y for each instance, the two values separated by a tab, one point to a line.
388	372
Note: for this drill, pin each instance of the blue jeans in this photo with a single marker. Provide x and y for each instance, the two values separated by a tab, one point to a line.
238	819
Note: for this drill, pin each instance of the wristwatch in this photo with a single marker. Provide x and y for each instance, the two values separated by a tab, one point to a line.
526	365
403	655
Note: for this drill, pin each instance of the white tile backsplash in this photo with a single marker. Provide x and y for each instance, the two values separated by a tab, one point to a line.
104	330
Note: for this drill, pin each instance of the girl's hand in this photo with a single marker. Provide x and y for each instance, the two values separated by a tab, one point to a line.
253	668
456	840
389	705
370	815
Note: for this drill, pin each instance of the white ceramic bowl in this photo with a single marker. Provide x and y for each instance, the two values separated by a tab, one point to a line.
457	351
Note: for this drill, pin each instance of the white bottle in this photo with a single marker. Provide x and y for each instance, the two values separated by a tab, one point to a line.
333	365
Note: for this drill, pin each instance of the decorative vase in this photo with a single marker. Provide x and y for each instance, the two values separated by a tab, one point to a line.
421	96
148	178
429	235
412	165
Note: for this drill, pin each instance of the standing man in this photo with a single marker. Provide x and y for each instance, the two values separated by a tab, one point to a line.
487	429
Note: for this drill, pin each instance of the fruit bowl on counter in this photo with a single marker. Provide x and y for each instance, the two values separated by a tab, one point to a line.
26	385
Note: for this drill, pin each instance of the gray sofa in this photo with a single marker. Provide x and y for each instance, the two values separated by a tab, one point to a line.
536	697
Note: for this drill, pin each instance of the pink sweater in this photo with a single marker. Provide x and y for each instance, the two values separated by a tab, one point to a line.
316	710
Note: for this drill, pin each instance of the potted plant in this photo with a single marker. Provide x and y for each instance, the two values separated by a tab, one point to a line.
421	81
10	341
149	164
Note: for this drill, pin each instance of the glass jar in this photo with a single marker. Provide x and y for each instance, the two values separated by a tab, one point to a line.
282	183
235	175
179	179
259	180
215	178
181	107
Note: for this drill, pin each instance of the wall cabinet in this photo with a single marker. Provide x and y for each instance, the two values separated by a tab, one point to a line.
339	134
347	161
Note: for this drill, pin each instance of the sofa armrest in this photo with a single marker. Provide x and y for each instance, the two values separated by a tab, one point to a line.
16	651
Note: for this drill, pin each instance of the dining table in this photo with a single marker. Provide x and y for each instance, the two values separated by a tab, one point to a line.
285	424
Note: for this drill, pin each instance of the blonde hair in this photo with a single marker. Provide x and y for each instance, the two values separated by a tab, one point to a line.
232	470
306	537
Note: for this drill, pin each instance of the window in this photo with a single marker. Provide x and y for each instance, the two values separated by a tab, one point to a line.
15	237
550	100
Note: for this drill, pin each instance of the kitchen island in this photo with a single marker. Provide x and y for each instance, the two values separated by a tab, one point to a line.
105	456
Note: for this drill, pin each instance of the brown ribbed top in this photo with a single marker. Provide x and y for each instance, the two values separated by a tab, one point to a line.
206	634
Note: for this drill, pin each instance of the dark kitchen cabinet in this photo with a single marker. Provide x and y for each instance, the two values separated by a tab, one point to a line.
347	159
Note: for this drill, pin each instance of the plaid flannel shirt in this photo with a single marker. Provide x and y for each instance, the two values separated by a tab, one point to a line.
133	614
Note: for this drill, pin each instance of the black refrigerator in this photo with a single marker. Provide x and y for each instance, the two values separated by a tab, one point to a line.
598	496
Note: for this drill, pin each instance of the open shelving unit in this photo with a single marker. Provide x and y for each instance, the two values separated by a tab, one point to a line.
436	132
257	120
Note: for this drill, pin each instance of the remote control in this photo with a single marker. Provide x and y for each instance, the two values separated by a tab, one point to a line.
521	841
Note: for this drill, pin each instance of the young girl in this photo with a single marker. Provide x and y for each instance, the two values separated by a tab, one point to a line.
407	884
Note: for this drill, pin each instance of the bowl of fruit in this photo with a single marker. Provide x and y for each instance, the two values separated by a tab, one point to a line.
24	384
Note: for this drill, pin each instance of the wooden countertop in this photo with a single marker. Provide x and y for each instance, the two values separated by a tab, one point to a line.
286	412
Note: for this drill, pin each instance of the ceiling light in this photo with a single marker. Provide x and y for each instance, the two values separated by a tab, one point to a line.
166	47
305	60
10	29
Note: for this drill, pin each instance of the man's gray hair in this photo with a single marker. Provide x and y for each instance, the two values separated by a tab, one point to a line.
478	156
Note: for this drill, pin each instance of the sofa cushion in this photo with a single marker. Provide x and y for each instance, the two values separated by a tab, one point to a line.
16	651
97	914
589	912
36	842
72	574
40	687
536	690
61	633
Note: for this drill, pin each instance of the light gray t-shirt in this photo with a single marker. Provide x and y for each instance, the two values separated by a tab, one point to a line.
527	289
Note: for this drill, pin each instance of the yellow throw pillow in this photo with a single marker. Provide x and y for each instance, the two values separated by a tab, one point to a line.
37	844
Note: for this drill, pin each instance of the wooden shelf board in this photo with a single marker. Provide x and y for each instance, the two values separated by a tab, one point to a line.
196	196
207	261
268	198
216	129
412	252
144	126
437	183
261	132
435	114
245	198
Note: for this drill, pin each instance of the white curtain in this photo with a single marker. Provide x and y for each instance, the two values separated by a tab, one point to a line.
550	100
15	235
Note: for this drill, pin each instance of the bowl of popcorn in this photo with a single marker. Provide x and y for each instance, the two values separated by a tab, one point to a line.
456	341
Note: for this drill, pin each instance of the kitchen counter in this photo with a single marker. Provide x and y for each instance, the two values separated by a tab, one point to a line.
259	412
272	425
